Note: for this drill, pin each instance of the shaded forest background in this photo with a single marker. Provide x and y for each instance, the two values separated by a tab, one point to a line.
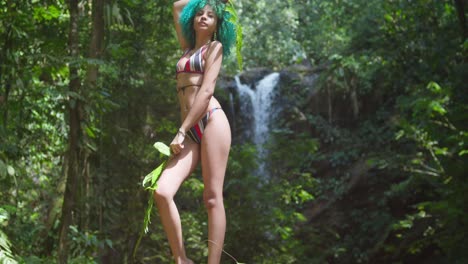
369	165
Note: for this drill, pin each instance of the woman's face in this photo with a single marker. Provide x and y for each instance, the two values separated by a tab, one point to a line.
205	20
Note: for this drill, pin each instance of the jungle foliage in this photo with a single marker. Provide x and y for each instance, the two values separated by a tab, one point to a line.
372	172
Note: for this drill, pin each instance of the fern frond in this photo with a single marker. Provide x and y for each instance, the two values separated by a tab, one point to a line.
6	257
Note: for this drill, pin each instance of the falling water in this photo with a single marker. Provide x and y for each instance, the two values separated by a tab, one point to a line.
260	99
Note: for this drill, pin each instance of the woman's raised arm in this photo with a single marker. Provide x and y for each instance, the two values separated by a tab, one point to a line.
177	9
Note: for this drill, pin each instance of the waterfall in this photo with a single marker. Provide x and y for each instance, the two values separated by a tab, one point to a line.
260	99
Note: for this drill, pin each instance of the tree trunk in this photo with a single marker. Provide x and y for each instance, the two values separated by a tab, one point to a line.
460	6
69	199
329	101
95	53
97	38
7	47
354	98
48	243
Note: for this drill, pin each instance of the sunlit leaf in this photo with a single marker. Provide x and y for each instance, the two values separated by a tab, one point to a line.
441	151
90	132
234	19
433	86
153	177
11	170
162	148
6	255
437	107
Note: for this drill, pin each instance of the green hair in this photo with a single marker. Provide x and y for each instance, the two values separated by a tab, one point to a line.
226	30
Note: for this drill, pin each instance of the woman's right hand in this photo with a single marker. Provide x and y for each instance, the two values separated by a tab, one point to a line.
177	143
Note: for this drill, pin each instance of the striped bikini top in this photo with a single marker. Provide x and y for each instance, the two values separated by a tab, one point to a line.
194	64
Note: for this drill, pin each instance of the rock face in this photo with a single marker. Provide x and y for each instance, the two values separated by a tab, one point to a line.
295	84
297	93
302	102
238	107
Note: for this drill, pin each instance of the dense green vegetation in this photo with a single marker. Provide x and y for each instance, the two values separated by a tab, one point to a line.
373	171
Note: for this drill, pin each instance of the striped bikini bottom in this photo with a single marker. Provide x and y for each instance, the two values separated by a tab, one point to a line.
196	132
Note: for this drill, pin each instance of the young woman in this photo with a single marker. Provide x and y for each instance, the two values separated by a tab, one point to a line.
205	36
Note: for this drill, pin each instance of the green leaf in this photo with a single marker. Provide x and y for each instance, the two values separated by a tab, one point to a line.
11	170
54	11
388	17
3	215
433	86
153	177
108	242
305	196
437	107
300	217
162	148
234	19
441	151
90	132
6	256
399	134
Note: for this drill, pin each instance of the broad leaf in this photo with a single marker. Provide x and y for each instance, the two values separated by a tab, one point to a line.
162	148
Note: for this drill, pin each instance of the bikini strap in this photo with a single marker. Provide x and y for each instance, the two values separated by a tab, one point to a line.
211	112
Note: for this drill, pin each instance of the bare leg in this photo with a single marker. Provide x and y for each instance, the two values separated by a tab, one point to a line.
177	170
215	148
